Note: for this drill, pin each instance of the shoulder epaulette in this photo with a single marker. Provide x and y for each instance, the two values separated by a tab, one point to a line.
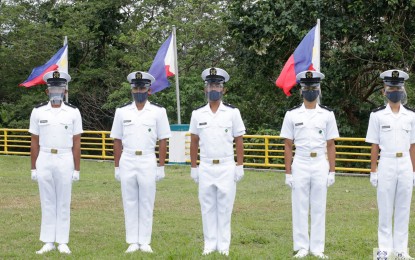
326	108
229	105
69	104
126	104
154	103
409	108
294	107
200	107
42	104
378	109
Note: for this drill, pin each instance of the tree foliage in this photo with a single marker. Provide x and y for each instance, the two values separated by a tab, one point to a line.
359	39
252	40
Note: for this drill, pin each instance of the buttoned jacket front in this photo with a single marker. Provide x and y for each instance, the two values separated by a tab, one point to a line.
217	131
139	130
55	126
392	132
309	131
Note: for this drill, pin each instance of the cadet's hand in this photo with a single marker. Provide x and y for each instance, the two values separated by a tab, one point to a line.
414	179
330	179
117	173
33	174
289	180
194	173
75	176
239	173
160	173
374	179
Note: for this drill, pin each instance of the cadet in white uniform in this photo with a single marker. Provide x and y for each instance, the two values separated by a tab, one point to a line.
137	126
55	151
392	130
312	128
216	126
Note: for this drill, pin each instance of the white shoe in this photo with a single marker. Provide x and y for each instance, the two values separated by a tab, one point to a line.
301	253
320	255
46	248
403	256
132	248
146	248
64	249
224	252
208	251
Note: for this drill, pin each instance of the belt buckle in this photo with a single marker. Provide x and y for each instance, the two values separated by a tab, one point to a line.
399	154
54	151
138	152
313	154
215	161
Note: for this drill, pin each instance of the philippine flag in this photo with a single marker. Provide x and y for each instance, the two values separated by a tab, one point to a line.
305	57
163	65
58	61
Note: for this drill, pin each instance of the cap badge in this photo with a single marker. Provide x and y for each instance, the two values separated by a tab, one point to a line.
213	71
309	75
138	75
395	74
56	75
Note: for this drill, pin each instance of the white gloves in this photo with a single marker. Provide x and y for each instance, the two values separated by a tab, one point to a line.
194	173
330	179
239	173
117	173
34	174
374	179
75	176
289	181
160	173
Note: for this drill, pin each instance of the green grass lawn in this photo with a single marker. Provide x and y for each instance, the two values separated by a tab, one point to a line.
261	222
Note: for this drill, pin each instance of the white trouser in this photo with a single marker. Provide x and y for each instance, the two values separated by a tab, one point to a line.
54	173
394	194
309	191
138	188
217	190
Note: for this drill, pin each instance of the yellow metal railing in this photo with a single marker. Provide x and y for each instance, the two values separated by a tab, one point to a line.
261	151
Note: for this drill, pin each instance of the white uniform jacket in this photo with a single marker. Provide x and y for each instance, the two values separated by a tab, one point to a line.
139	130
55	130
217	131
310	132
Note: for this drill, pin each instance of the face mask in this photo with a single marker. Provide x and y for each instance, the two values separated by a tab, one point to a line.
56	98
140	97
310	95
214	95
395	96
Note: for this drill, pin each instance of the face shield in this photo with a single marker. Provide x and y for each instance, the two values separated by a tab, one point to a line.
214	90
311	92
56	92
139	92
395	94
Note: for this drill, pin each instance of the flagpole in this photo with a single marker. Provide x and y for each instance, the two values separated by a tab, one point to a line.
317	66
65	41
176	73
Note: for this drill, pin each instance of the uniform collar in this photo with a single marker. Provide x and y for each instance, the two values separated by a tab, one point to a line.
303	109
402	110
147	105
63	106
206	108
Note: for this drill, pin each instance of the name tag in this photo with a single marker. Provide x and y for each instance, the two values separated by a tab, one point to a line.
43	121
386	126
298	124
127	121
204	123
